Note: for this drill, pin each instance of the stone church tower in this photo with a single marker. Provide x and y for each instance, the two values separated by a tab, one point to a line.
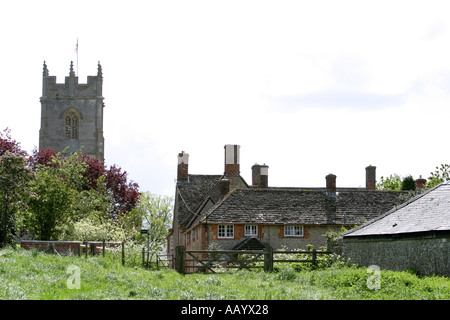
72	114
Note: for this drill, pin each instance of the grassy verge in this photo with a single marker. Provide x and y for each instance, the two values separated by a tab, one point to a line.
38	276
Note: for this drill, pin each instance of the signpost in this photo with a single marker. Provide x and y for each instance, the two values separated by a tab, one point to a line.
145	231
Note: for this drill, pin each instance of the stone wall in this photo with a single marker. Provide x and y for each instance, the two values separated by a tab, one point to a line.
66	247
427	256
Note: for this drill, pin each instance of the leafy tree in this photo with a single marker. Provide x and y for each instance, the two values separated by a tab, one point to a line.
95	170
9	144
156	213
50	209
393	182
14	190
96	203
41	157
67	188
58	188
125	194
408	183
441	174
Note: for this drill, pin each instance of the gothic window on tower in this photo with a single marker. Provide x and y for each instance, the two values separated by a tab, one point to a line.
71	124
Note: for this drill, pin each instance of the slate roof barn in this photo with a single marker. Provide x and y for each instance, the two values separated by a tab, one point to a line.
415	235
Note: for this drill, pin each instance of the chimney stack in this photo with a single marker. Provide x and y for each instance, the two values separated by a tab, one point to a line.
260	175
371	177
183	161
331	183
224	185
232	160
421	183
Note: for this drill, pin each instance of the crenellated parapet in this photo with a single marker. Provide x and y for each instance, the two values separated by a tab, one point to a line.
71	88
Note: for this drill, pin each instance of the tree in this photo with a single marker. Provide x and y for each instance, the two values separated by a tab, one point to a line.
57	189
51	207
95	170
441	174
156	214
393	182
125	194
96	203
8	144
408	183
14	190
42	157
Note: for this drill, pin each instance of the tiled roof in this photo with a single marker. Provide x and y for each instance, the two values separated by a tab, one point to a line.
191	193
429	211
302	206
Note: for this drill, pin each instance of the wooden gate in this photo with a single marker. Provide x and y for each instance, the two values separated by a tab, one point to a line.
215	261
218	261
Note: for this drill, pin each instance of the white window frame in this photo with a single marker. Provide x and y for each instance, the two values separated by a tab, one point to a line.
293	231
225	231
250	230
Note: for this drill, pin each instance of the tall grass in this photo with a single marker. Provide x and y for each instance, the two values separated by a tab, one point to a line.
35	275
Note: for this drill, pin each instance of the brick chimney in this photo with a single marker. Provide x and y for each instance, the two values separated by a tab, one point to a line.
331	183
183	161
371	177
260	175
421	183
232	160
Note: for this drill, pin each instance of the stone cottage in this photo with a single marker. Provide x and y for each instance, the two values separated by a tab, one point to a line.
224	211
413	235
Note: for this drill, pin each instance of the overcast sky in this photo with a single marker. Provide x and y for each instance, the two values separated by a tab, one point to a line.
307	87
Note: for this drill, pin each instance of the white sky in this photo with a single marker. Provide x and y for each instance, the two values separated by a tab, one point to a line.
307	87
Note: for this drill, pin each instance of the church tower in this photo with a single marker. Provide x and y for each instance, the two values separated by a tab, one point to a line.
72	114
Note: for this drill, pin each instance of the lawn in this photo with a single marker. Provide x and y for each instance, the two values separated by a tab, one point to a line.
31	275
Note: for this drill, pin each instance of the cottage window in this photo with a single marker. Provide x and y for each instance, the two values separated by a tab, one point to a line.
251	230
226	231
293	231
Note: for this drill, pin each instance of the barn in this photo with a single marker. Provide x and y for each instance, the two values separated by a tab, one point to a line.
414	235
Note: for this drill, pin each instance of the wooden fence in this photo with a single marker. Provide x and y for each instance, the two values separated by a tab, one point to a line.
154	260
214	261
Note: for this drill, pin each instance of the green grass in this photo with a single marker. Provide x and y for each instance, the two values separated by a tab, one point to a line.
31	275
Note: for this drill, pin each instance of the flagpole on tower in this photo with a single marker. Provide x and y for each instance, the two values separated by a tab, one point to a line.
76	50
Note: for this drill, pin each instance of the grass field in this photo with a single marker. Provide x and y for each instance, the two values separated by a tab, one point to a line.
30	275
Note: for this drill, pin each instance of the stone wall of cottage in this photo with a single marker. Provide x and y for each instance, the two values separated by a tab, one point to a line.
272	235
426	256
312	235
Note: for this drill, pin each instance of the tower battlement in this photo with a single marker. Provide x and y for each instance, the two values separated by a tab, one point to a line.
71	88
